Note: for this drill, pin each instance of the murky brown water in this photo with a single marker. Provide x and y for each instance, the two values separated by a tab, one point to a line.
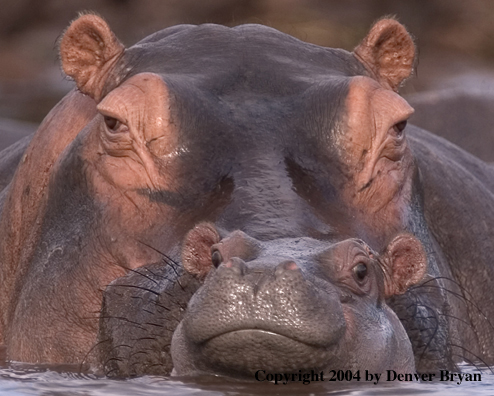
21	380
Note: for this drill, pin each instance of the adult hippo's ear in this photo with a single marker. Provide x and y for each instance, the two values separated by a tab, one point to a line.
388	53
404	264
89	51
371	139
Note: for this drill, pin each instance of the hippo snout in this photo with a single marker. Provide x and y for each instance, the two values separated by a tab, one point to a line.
245	309
280	300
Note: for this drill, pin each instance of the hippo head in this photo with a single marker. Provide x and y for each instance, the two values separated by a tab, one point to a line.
294	304
246	128
248	121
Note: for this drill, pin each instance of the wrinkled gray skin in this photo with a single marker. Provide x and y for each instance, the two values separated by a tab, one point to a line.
139	316
462	115
258	112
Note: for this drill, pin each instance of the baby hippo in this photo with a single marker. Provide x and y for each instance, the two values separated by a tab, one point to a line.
293	304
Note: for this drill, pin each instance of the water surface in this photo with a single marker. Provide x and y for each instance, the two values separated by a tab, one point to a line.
17	380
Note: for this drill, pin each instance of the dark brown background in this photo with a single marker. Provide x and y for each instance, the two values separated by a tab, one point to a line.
455	37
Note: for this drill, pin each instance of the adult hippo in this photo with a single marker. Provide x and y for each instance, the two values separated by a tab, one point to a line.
462	115
245	129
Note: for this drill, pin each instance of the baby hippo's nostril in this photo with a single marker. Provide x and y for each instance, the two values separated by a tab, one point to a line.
286	266
290	265
236	264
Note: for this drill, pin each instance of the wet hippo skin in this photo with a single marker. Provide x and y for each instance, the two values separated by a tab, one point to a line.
462	115
209	164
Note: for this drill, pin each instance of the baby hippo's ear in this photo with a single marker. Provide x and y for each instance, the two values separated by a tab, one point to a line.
404	263
196	250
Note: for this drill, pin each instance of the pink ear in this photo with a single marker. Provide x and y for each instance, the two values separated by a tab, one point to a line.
405	264
196	250
388	53
89	50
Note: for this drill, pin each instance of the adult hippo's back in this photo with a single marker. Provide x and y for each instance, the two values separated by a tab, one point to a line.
247	129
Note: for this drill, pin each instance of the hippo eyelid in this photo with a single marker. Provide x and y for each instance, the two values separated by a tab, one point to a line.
397	131
360	253
111	117
113	124
399	127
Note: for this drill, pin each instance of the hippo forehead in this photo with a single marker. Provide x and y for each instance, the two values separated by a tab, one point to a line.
314	258
254	58
300	248
305	251
245	100
245	82
276	125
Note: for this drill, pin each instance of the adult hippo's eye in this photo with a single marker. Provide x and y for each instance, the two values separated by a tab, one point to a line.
112	123
360	271
216	258
399	127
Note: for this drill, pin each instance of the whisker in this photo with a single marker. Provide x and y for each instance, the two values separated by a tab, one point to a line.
141	352
89	352
120	346
154	324
144	339
169	259
426	347
472	303
474	355
160	252
145	276
448	279
459	320
137	287
162	306
114	370
124	319
470	362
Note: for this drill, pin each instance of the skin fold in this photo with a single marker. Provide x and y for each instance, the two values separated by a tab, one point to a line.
265	141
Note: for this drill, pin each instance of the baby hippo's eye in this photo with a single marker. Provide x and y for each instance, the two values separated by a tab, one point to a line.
216	258
360	271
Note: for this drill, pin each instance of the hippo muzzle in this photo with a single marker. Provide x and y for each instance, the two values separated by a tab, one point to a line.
251	309
318	306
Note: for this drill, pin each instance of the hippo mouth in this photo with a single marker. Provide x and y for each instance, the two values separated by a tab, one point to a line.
268	333
245	351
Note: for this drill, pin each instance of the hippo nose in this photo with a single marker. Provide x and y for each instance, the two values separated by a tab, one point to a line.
237	265
241	268
286	267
